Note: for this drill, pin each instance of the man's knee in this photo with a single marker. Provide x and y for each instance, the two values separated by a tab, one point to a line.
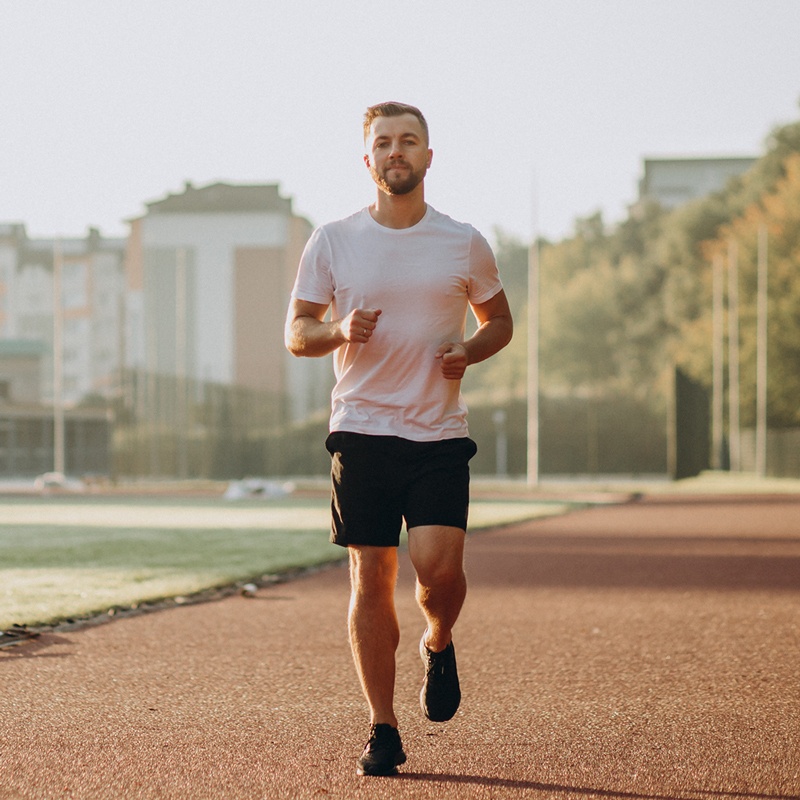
440	574
373	570
437	555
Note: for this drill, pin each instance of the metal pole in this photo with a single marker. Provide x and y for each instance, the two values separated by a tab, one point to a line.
122	393
761	356
718	368
152	390
500	443
58	359
181	421
733	356
533	350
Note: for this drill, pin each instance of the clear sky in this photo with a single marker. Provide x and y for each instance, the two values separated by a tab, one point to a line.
539	109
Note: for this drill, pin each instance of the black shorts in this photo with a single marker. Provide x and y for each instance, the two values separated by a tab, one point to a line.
380	480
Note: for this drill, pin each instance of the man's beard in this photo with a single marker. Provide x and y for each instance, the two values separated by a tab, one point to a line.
399	185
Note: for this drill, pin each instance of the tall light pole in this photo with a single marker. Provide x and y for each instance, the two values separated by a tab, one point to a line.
181	417
533	348
761	355
58	358
152	388
733	357
718	368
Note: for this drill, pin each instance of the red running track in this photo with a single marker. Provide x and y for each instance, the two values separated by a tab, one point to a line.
645	650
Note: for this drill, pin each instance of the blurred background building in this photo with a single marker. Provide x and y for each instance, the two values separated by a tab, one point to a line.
208	273
176	332
172	362
671	182
92	288
91	271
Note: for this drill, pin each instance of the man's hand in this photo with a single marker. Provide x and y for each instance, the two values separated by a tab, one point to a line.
453	360
359	324
306	333
494	333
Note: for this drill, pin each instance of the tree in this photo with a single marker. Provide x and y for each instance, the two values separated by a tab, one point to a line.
619	306
778	213
505	375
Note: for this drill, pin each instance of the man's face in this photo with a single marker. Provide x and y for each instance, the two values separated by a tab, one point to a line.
397	153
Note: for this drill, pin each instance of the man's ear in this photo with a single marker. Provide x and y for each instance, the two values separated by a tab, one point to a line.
430	157
366	159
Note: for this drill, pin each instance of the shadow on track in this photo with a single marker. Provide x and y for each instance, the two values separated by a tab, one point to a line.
553	788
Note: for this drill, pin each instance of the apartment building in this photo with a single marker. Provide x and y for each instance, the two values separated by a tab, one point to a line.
675	181
27	442
92	281
208	275
91	270
180	326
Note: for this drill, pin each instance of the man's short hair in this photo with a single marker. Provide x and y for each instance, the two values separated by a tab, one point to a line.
392	109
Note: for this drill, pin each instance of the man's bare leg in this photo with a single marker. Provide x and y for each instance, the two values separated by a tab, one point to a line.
437	553
373	626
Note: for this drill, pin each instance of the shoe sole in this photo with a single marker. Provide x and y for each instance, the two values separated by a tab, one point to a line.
382	773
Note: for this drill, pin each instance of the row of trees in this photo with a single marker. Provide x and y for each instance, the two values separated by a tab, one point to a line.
618	305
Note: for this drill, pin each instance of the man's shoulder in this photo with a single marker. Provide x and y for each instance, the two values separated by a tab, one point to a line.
345	224
463	233
444	222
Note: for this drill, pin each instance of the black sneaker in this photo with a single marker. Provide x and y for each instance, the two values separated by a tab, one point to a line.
441	694
383	753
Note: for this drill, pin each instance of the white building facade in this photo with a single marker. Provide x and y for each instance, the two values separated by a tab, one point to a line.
208	274
92	283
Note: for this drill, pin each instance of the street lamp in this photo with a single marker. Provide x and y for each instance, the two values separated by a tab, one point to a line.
58	358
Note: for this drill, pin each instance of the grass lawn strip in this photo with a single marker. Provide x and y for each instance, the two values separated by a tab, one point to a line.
71	558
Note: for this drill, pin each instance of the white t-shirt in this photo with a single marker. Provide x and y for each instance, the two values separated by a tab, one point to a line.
423	279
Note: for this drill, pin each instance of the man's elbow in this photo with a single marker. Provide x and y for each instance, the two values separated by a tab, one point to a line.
293	341
293	349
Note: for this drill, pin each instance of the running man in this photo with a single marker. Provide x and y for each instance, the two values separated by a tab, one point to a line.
399	277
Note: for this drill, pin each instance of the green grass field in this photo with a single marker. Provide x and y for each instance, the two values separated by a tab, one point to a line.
73	556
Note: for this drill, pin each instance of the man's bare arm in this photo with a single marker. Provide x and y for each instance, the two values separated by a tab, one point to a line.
495	328
307	334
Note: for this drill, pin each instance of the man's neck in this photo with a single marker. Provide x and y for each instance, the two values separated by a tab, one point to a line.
399	211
